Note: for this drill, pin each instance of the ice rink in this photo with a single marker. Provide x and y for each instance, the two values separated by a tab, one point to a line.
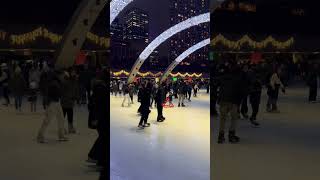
23	158
177	149
286	146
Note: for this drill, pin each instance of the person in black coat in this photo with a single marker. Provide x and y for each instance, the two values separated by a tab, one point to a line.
160	99
98	112
313	85
145	97
255	90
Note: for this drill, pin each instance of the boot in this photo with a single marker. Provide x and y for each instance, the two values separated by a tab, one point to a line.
183	105
233	138
71	129
221	138
179	105
254	122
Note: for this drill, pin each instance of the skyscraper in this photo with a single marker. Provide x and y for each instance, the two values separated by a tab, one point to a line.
137	25
181	10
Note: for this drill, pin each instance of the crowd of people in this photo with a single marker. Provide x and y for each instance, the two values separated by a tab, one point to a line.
60	92
235	82
151	93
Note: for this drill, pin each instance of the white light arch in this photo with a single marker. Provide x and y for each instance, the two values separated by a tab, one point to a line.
116	6
184	55
194	21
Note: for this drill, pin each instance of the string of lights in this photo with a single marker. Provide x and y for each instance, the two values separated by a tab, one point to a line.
246	40
151	74
30	37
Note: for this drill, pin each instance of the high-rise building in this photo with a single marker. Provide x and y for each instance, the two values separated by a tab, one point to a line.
137	25
181	10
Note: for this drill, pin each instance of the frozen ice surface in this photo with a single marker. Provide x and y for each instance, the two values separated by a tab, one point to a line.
177	149
23	158
286	146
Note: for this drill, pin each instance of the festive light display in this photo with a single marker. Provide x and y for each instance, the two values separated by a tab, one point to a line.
151	74
184	55
54	38
254	44
203	18
116	6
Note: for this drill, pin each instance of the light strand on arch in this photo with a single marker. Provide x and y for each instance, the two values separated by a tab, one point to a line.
255	44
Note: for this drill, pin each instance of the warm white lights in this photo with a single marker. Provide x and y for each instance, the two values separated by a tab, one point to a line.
116	6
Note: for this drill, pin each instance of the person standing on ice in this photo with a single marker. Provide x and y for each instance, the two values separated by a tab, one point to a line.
53	110
126	95
312	82
181	93
273	91
145	96
230	96
18	86
160	99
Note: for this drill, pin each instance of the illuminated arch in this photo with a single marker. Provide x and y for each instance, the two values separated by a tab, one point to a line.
116	6
194	21
184	55
76	32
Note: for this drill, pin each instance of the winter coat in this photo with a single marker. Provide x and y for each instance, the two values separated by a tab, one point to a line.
18	85
69	92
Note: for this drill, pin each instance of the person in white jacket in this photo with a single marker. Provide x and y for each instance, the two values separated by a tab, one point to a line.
273	91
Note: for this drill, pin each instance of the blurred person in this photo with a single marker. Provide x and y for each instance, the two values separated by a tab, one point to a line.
160	100
145	95
273	91
18	87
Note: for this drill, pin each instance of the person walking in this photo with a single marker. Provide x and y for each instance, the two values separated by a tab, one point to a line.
18	87
53	110
255	90
195	89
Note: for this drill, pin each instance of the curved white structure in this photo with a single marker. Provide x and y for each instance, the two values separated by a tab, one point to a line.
116	6
184	55
194	21
76	32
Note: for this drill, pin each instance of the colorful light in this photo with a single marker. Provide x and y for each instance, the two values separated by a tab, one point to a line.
194	21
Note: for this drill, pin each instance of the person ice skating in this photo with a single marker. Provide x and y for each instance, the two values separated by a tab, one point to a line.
273	91
245	82
98	103
255	96
131	92
181	93
313	84
18	87
126	96
33	95
53	110
160	99
195	89
145	94
230	97
68	97
4	82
